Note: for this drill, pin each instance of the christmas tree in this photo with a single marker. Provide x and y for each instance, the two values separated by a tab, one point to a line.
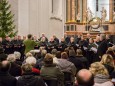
6	20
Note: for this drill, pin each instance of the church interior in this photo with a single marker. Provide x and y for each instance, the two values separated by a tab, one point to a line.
57	42
43	16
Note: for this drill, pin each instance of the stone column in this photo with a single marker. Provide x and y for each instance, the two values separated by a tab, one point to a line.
78	7
111	10
84	10
68	11
73	10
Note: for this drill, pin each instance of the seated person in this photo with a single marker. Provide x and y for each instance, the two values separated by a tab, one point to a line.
28	79
15	69
50	71
85	78
5	78
101	75
67	66
32	61
108	62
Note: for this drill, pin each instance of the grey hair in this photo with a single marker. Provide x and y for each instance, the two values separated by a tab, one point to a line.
17	54
31	60
11	58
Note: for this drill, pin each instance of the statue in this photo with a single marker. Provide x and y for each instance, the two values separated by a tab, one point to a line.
113	16
89	14
103	14
78	17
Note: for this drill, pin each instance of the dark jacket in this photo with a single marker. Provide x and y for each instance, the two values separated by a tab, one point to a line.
102	48
15	70
3	56
29	79
52	71
7	80
84	61
78	63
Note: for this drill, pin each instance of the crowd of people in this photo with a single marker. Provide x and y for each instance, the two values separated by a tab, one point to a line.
70	61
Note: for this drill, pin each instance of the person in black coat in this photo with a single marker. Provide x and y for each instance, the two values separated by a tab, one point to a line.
15	69
5	78
7	45
56	39
67	38
77	62
72	43
102	48
43	43
15	43
51	44
28	79
62	45
3	56
83	59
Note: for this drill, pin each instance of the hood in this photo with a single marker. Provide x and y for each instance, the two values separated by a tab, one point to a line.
29	78
64	64
99	78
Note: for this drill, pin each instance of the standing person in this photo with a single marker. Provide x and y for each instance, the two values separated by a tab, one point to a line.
43	35
15	43
88	37
103	46
67	38
7	45
29	43
56	39
72	43
62	44
51	44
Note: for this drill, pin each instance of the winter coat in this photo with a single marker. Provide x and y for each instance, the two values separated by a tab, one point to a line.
52	71
102	80
29	79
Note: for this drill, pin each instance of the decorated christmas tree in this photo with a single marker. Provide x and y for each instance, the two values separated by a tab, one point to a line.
6	20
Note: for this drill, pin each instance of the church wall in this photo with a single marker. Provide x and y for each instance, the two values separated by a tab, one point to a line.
14	9
35	17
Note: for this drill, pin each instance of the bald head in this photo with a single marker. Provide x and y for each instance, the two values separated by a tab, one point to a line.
5	66
85	77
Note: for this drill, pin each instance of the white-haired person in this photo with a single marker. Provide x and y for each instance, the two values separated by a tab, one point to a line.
101	75
28	54
18	60
32	61
15	69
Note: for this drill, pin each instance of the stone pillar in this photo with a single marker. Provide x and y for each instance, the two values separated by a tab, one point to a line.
111	10
78	7
84	10
68	11
73	11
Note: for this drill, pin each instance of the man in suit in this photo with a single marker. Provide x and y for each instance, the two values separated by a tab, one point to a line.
29	44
